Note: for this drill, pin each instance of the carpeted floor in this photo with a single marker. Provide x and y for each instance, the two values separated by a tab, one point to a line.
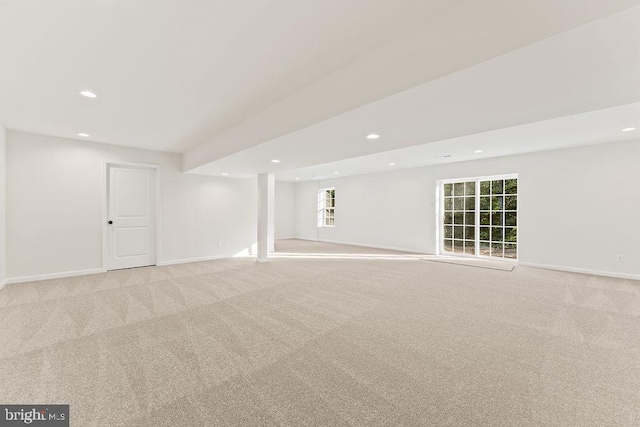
347	336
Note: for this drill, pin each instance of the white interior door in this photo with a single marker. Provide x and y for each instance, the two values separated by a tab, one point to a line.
132	217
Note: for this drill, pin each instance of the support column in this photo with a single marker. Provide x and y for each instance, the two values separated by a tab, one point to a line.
266	188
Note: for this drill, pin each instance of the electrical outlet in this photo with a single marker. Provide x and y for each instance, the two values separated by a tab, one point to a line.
620	258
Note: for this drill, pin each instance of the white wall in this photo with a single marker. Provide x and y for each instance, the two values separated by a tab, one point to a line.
578	207
54	201
285	210
3	206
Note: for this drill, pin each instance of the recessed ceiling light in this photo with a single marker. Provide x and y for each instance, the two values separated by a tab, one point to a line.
225	174
88	94
392	164
297	179
275	161
628	129
84	135
373	136
478	151
336	173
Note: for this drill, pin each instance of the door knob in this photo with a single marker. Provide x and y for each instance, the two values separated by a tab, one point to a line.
110	222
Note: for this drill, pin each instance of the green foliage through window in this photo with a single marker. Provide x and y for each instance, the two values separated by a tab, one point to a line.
480	217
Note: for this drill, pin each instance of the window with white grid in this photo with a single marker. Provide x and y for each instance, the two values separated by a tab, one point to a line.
326	207
479	217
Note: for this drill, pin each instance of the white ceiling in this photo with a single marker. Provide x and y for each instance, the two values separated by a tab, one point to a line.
233	85
169	73
594	127
470	34
593	67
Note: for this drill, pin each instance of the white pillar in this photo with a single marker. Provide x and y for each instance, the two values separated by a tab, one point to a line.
271	223
266	187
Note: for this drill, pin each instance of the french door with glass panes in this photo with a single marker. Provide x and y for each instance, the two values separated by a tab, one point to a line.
480	217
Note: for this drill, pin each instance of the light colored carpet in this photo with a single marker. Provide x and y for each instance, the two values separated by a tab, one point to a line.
472	262
319	342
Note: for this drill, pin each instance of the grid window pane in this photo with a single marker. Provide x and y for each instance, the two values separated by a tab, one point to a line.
511	186
485	218
470	233
496	234
448	204
510	251
485	188
511	235
458	203
458	189
470	218
448	218
497	203
497	186
470	203
448	232
511	203
485	233
469	247
458	218
329	217
485	203
470	188
448	246
510	219
458	246
448	190
496	218
497	250
458	232
485	248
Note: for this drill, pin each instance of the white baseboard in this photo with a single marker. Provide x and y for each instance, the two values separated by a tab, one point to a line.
581	270
198	259
308	239
50	276
364	245
64	274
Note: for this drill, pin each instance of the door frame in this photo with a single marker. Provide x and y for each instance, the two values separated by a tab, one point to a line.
105	207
